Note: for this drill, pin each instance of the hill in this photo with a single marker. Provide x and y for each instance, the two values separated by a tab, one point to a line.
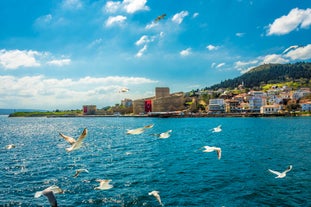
269	73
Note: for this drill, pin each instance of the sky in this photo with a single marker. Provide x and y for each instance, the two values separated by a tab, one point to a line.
64	54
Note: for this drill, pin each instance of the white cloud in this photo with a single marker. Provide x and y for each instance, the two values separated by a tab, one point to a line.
300	53
195	15
185	52
132	6
141	51
151	25
220	65
274	58
290	48
60	62
296	18
115	20
244	67
72	4
212	47
13	59
112	7
239	34
179	17
143	40
42	92
129	6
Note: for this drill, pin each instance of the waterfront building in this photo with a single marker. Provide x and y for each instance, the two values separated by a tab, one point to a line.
126	102
256	102
306	107
89	109
216	105
232	106
270	109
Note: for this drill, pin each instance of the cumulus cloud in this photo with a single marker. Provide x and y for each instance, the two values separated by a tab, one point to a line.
179	17
295	19
115	20
72	4
212	47
13	59
60	62
41	92
141	51
185	52
129	6
299	53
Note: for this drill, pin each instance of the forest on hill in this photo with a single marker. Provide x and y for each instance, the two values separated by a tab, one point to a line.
269	74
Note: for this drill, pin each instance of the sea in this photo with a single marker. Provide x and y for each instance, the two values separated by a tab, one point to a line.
176	167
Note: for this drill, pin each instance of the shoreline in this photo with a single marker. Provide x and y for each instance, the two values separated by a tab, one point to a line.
169	115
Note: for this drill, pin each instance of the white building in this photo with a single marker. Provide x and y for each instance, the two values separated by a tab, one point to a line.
270	109
216	105
306	106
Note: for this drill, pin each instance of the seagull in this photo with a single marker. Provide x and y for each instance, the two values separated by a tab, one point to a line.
156	195
123	90
164	135
149	126
103	185
78	171
136	131
54	188
211	149
50	195
75	144
10	146
217	129
282	174
160	17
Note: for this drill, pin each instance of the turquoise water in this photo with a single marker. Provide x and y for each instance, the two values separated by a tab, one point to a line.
138	164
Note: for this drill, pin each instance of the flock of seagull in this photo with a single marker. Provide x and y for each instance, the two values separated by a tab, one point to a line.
104	184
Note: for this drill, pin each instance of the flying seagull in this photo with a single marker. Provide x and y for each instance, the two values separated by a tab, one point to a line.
282	174
156	195
75	144
78	171
54	188
217	129
124	90
164	135
160	17
103	185
136	131
50	195
10	146
211	149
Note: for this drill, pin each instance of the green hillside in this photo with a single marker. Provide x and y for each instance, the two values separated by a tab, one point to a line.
270	74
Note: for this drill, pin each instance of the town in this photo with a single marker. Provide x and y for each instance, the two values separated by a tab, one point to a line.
277	100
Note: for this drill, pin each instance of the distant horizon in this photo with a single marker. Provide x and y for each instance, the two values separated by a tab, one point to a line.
67	53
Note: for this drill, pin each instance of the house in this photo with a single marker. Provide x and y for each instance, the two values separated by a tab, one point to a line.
89	109
256	102
270	109
306	107
216	105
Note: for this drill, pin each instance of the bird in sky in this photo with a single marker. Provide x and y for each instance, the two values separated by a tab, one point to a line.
78	171
75	144
156	195
160	17
211	149
281	174
123	90
103	184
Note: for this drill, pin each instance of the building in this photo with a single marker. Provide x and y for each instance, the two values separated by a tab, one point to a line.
256	102
89	109
127	102
232	106
161	92
270	109
216	105
306	107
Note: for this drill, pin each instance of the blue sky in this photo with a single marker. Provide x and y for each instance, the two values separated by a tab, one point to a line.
63	54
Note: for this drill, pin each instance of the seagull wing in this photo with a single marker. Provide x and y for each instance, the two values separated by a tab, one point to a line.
70	140
288	169
275	172
83	135
50	195
218	150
